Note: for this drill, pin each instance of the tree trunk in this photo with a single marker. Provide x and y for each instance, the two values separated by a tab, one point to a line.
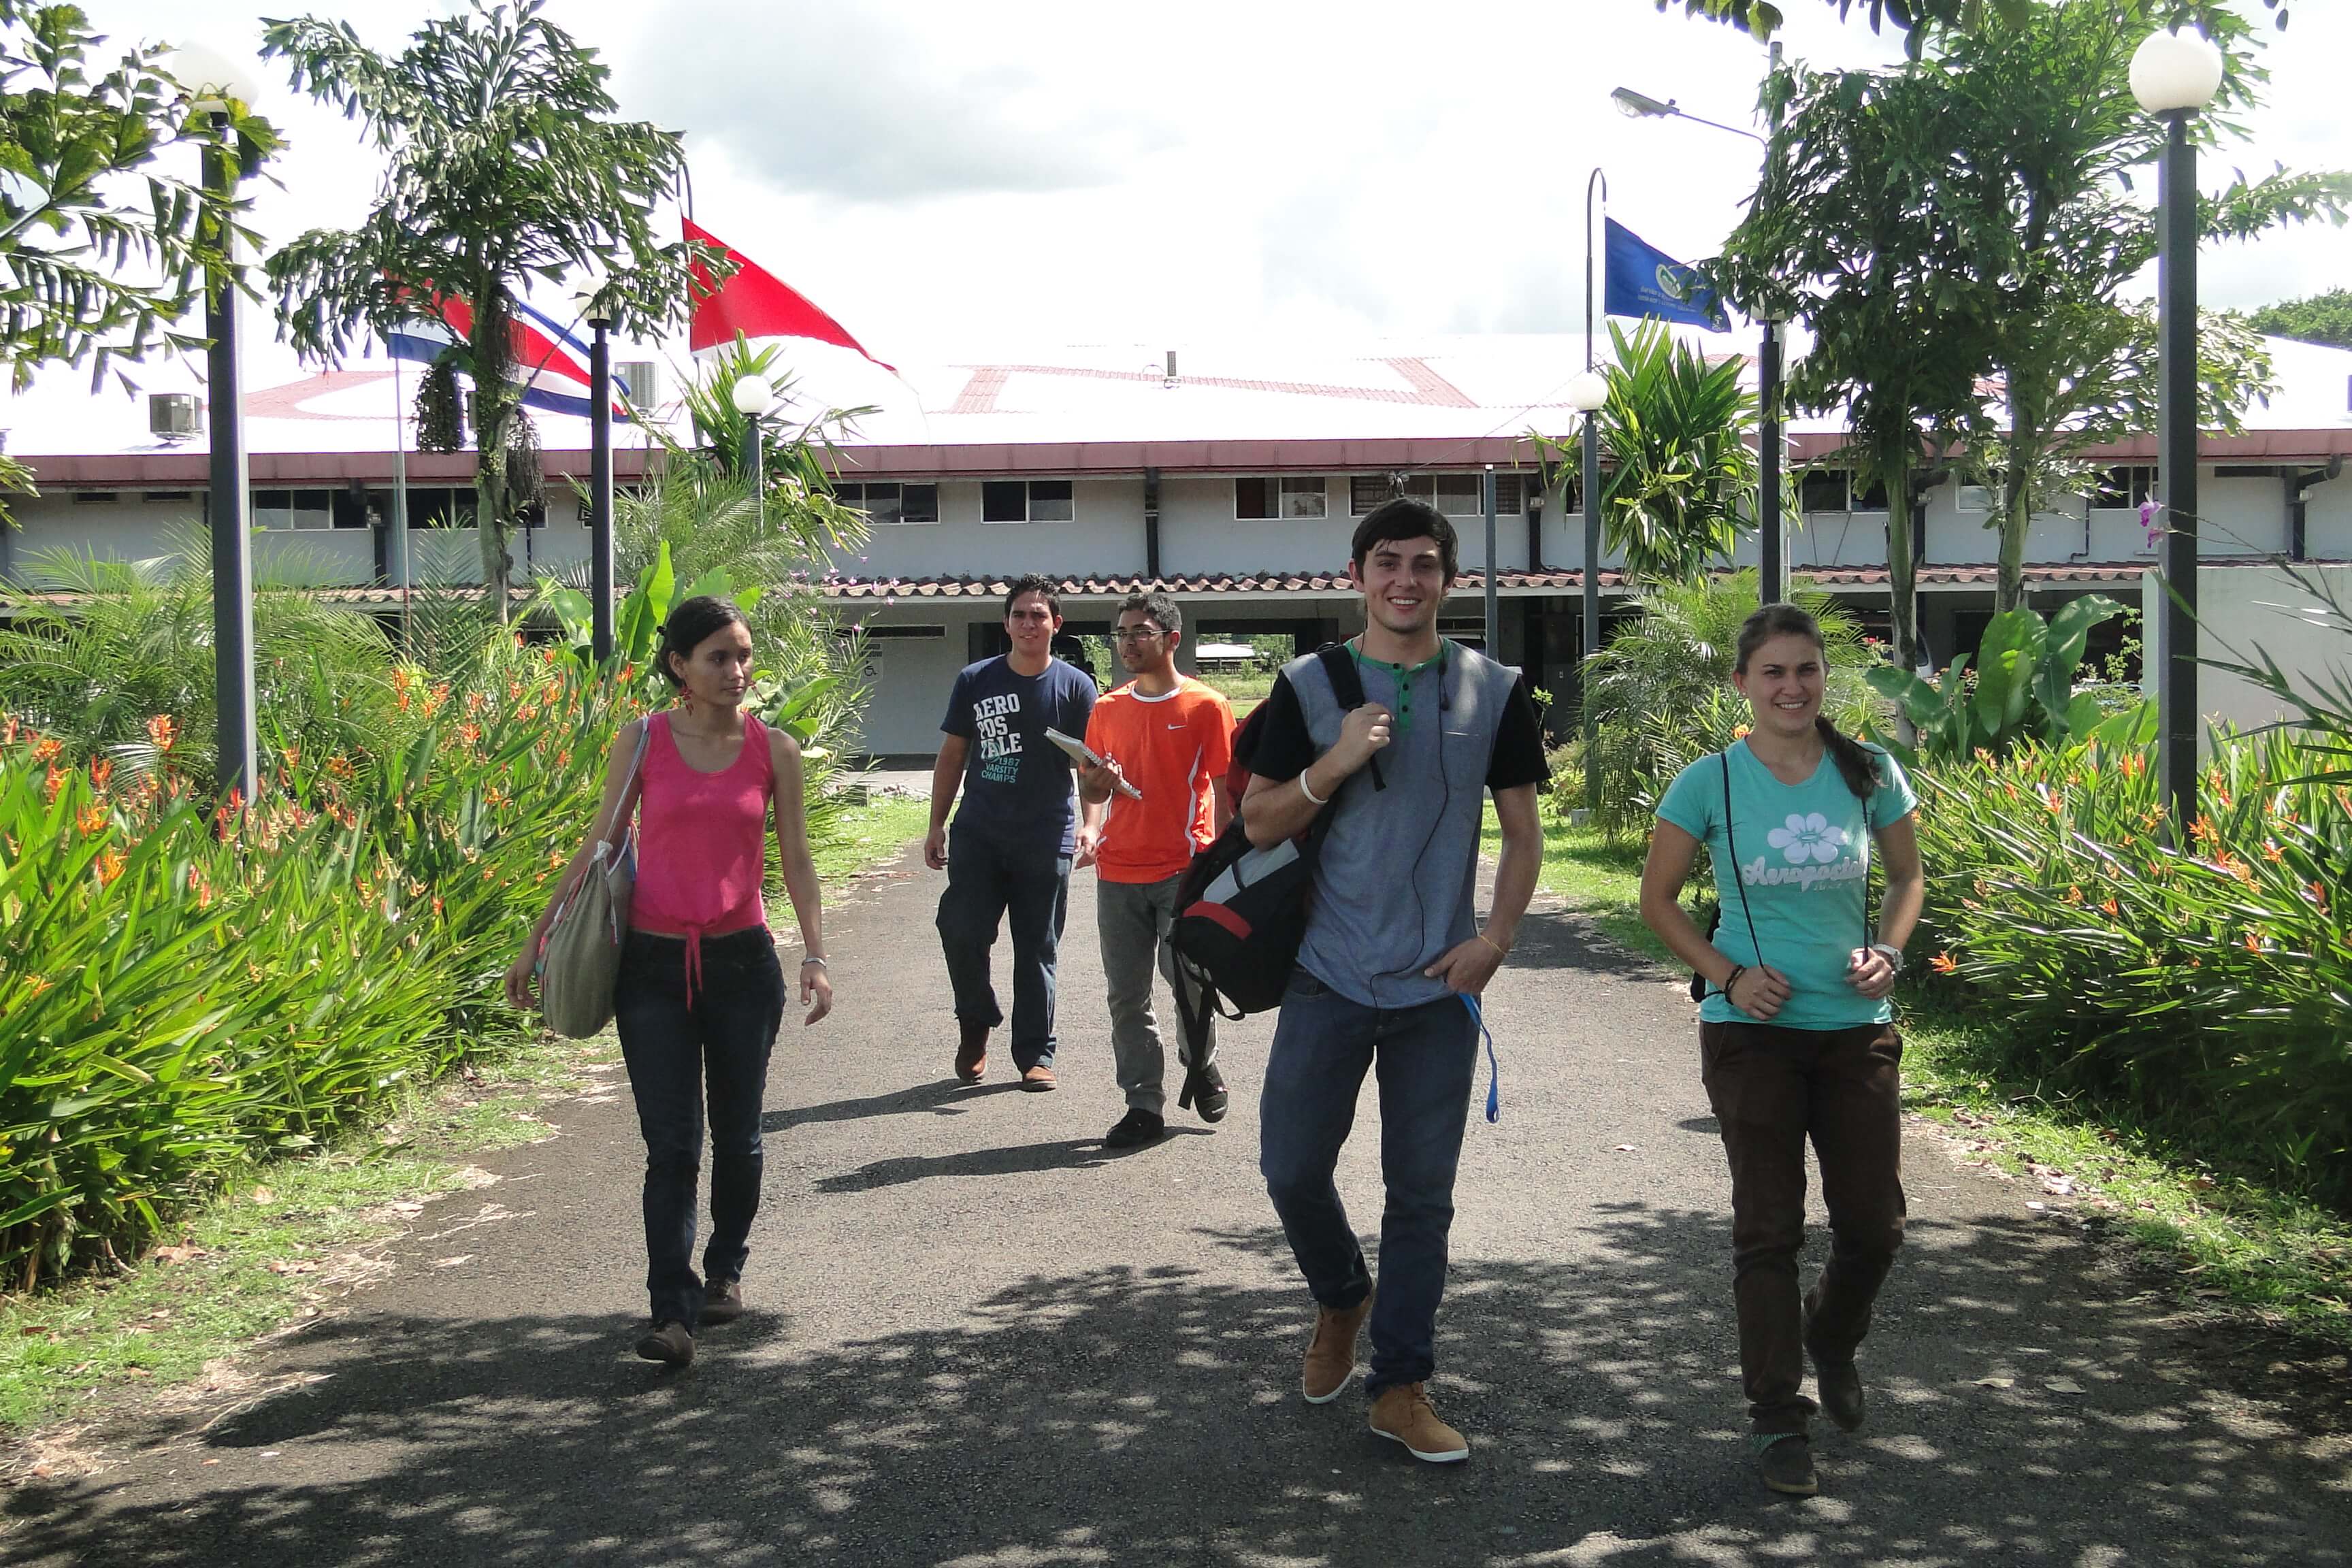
494	407
2016	507
1902	568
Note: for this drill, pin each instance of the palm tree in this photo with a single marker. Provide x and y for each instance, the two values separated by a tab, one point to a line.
505	166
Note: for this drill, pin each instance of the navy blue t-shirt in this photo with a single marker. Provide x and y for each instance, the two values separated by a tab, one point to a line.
1017	783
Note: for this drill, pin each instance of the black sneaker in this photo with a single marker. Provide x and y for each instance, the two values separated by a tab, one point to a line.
668	1342
1838	1383
1205	1091
1137	1127
723	1301
1786	1461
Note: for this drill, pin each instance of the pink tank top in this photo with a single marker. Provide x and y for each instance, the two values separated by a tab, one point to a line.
702	841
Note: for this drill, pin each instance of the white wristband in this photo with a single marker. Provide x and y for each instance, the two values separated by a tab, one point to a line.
1892	955
1318	799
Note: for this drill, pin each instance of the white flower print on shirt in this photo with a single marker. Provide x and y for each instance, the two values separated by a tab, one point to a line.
1808	837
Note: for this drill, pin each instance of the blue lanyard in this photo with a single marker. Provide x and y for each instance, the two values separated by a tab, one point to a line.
1494	1067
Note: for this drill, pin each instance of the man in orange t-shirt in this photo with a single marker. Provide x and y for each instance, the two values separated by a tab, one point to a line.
1171	738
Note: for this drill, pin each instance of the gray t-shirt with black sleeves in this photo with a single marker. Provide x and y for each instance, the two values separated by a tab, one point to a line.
1396	882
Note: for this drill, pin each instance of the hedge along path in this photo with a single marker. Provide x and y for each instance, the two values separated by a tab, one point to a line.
187	991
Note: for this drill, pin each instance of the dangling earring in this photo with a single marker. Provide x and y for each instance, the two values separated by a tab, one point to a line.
685	700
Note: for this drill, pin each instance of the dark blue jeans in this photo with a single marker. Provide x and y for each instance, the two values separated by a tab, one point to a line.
1424	1058
987	881
674	1050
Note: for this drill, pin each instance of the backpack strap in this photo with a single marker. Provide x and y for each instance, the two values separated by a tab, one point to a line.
1348	691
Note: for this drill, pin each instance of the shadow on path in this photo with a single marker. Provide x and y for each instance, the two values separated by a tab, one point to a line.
1554	938
1063	1154
2022	1413
944	1097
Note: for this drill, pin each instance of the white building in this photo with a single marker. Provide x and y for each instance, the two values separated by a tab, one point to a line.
1232	482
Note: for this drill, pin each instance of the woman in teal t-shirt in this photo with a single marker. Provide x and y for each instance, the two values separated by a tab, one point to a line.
1795	1035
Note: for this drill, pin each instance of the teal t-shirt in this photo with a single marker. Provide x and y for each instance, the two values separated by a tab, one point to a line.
1804	858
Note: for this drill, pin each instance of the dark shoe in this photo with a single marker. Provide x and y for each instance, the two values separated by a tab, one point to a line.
723	1302
1786	1462
1038	1079
1137	1127
1838	1383
667	1342
1205	1091
971	1052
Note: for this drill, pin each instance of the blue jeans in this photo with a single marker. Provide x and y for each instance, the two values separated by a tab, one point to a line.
1426	1057
989	880
672	1047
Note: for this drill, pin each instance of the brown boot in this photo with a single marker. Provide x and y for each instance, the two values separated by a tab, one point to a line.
1402	1413
971	1052
1331	1354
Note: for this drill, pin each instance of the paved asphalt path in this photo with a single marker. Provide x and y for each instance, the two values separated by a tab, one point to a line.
977	1340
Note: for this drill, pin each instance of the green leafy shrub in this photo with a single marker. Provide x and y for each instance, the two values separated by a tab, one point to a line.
188	989
2022	689
2211	981
1659	691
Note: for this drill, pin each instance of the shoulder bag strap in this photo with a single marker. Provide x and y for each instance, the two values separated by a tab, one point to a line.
628	803
1348	691
1731	842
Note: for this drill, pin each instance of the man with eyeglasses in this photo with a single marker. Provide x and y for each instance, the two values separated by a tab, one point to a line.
1008	856
1171	739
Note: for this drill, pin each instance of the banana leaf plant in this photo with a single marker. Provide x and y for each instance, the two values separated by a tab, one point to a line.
2023	689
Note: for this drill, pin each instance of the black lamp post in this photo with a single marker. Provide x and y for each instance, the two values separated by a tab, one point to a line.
752	398
1770	545
216	87
599	317
2174	76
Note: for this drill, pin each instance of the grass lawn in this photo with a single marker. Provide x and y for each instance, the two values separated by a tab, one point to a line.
2234	1243
283	1240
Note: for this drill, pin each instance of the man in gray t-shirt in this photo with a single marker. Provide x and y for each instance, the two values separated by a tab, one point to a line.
1392	950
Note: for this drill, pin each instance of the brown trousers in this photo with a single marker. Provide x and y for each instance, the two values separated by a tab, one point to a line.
1771	1087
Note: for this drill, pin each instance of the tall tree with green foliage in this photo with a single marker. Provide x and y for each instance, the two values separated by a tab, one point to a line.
1679	472
506	166
1851	234
1922	21
2319	319
104	250
2055	141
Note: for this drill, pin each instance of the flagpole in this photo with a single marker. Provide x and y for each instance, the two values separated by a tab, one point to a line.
1592	575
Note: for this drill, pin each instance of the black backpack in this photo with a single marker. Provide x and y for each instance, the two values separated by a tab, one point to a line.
1241	912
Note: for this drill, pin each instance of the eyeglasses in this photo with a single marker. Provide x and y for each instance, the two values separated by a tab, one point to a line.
1139	634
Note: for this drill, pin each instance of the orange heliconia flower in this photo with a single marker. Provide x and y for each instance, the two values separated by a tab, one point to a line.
2074	893
2108	904
2253	942
101	772
48	749
109	865
2203	829
37	984
2271	852
162	731
2319	895
1944	963
90	818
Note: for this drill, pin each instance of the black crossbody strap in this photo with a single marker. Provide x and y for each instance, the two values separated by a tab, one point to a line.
1731	842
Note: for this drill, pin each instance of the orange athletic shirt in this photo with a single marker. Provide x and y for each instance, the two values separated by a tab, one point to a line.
1172	748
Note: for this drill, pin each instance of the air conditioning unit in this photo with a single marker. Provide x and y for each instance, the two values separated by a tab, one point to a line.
640	382
174	416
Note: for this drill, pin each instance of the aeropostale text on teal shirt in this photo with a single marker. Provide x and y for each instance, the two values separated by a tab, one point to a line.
1803	856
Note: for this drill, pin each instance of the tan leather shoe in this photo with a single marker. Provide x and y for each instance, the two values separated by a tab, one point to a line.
1402	1413
1331	1354
971	1052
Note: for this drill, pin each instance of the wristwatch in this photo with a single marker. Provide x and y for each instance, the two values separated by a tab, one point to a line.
1892	955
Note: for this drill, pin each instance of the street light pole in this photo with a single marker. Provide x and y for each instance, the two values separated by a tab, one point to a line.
600	478
1493	621
752	397
1586	393
216	87
2174	76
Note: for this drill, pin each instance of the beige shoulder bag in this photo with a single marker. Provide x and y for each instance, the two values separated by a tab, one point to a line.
581	957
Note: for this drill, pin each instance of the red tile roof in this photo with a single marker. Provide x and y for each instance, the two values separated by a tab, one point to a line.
2110	574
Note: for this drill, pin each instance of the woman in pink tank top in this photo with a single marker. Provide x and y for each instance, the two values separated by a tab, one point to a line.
701	993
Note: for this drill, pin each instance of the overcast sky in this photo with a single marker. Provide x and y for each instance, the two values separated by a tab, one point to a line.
948	178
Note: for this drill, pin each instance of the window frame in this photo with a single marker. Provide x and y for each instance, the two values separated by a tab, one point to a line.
1029	501
1281	488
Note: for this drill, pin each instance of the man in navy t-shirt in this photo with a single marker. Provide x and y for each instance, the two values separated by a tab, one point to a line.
1009	848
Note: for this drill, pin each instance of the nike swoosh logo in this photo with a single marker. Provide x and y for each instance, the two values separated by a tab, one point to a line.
1176	726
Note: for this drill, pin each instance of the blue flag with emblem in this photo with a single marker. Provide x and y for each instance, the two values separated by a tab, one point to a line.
1643	280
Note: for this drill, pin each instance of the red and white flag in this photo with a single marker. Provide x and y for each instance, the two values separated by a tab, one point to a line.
756	303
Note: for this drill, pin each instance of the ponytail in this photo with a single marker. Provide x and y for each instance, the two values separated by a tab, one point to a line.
1856	764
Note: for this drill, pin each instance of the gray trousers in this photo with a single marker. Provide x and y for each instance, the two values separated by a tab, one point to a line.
1133	919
